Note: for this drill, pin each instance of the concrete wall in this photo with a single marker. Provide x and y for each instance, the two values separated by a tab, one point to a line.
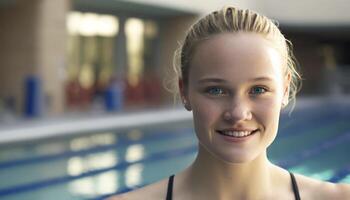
33	42
18	39
52	50
173	31
33	36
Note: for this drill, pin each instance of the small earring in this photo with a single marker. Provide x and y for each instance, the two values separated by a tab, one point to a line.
284	103
186	105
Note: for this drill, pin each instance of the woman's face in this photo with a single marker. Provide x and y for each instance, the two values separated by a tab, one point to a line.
236	87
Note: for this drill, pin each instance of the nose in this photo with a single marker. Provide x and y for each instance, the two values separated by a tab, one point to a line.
238	110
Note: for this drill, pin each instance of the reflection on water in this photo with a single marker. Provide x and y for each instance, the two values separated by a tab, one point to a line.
84	187
346	179
50	148
80	143
101	184
97	185
102	160
78	165
100	139
151	156
134	153
133	175
135	134
323	175
104	138
12	153
75	166
107	182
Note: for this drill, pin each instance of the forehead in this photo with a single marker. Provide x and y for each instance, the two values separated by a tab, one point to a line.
244	55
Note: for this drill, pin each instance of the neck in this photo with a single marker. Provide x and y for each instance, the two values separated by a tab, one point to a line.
222	180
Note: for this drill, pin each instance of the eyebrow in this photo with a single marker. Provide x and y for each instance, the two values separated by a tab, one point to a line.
219	80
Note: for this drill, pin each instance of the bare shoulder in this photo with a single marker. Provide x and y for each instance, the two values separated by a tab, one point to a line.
315	189
153	191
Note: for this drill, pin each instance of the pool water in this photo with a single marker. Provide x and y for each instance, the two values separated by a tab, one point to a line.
313	141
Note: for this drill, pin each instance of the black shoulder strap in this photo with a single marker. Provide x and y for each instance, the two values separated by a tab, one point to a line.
169	194
295	187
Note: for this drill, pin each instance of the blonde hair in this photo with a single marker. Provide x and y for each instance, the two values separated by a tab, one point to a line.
232	20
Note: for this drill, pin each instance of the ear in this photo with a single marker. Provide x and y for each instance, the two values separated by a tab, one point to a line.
183	94
286	88
181	88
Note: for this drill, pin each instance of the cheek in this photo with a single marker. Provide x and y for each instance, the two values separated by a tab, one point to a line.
204	111
206	114
267	113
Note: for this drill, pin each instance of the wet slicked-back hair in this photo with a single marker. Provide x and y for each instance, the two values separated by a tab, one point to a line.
233	20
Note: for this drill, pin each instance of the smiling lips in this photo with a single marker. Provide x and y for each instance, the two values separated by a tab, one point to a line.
236	133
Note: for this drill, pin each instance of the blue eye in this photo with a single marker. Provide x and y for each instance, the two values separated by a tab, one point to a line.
258	90
215	91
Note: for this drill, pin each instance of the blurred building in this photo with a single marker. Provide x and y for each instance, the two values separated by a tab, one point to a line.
85	54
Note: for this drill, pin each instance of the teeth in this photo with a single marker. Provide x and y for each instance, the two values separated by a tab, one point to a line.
237	133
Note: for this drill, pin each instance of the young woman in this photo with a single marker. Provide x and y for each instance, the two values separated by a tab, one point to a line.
236	73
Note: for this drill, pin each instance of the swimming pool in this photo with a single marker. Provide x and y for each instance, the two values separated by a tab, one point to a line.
313	141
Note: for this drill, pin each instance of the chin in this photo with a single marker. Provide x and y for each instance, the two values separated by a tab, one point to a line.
238	157
242	158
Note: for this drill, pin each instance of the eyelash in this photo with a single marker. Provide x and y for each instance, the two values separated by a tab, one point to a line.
223	91
209	91
259	87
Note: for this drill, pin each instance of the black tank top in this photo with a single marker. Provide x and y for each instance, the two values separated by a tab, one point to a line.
169	195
